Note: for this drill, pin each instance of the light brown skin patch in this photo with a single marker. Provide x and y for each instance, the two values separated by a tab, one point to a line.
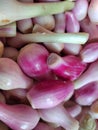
5	21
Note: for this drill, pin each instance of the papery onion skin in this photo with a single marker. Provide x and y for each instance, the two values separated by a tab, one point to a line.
49	93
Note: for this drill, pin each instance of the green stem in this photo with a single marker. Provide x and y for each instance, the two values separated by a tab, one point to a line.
71	38
14	10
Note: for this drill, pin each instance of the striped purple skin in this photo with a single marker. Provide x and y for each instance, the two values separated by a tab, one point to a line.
87	94
89	53
72	24
33	61
49	93
19	116
68	67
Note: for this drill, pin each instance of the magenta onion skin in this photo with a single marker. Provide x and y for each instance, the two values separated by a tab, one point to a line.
90	52
49	93
86	95
11	75
68	67
92	11
72	24
60	23
19	117
32	60
59	115
90	75
89	27
80	11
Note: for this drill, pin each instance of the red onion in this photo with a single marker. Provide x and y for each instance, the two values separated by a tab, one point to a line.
32	59
90	52
92	11
80	11
60	116
49	93
90	75
68	67
73	108
46	21
19	117
11	76
87	94
89	27
72	24
60	23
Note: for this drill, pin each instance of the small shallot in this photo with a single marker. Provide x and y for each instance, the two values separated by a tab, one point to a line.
49	93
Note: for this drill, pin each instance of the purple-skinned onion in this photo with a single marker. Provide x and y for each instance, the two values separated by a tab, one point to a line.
73	108
32	59
87	94
72	24
89	27
60	23
19	117
11	75
60	116
68	67
90	75
92	11
80	11
49	93
90	52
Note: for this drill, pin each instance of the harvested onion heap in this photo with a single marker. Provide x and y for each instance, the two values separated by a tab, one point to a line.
49	64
